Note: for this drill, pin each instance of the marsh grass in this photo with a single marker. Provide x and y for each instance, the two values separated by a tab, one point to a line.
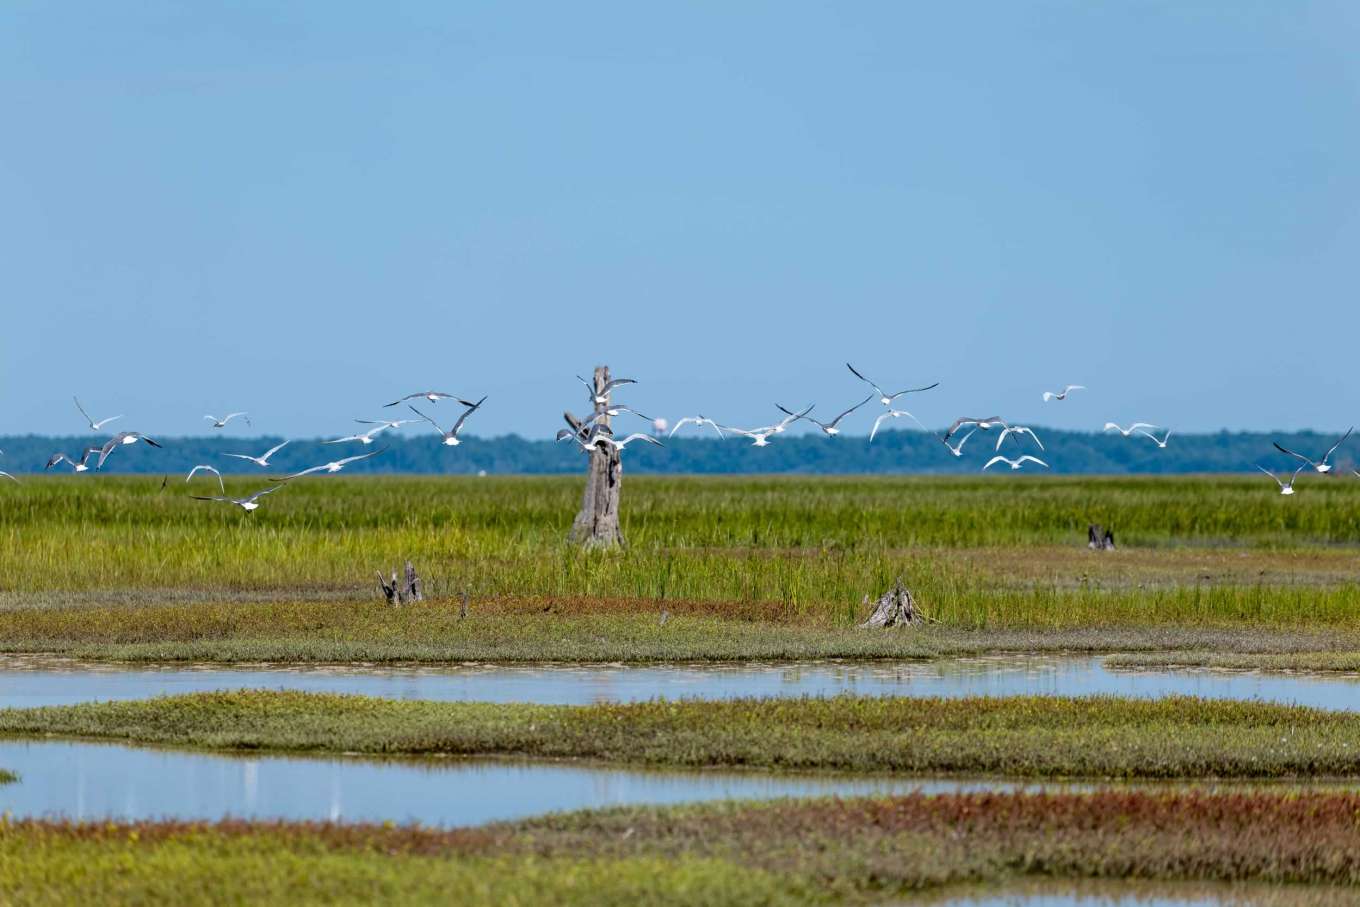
578	630
1271	849
978	552
1177	737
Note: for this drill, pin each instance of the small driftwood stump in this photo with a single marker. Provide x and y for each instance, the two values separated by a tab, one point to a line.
1098	539
597	525
399	592
894	608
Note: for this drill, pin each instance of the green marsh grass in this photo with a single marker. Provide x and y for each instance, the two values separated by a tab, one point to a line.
1039	737
1259	848
978	552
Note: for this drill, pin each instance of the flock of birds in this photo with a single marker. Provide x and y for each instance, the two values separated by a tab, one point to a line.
252	501
951	439
596	433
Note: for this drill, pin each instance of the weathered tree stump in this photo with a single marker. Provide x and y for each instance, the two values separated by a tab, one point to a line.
597	525
1098	539
399	592
894	608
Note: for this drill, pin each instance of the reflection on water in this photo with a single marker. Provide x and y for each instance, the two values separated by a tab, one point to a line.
83	780
28	681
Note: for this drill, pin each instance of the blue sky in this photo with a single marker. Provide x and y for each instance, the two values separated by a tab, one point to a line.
305	210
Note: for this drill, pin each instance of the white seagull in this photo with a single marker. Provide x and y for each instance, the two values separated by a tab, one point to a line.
451	438
261	461
599	439
123	437
366	437
603	395
1062	394
386	423
222	422
332	466
958	451
1159	442
1126	432
1018	430
94	426
883	396
79	466
1321	465
5	475
761	436
432	396
696	420
247	503
985	424
1285	487
210	469
611	411
892	414
829	428
1015	464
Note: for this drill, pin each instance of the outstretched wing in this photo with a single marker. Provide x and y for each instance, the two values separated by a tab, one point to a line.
1331	450
1286	450
854	371
914	390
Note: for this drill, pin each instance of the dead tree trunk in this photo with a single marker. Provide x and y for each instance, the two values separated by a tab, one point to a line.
894	608
399	592
1098	539
597	525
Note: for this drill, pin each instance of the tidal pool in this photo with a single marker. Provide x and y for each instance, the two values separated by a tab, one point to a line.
33	681
89	780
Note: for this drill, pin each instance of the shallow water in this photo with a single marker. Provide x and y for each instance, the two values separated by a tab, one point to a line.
84	780
34	681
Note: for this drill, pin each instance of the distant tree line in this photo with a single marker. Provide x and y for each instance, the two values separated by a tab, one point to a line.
892	452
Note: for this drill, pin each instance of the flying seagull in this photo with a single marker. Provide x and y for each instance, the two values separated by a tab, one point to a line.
222	422
386	423
1062	394
332	466
247	503
1018	430
57	458
1285	487
986	424
432	396
261	461
366	437
958	450
210	469
1159	442
1126	432
599	439
830	428
761	435
451	438
603	395
883	397
94	426
123	437
696	420
1015	464
1321	465
613	410
79	466
893	414
5	475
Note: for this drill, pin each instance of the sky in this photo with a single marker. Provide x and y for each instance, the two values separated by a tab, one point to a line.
306	210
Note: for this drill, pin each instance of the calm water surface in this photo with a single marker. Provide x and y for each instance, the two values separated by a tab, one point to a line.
84	780
27	681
